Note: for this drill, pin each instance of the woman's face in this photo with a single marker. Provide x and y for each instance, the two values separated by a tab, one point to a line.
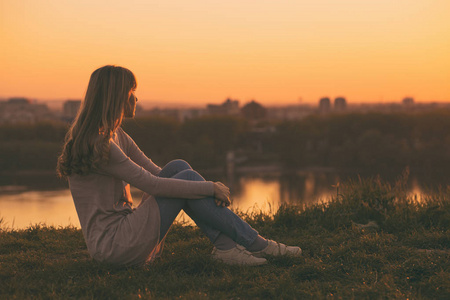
130	106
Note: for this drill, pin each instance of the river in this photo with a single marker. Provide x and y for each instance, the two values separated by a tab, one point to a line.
33	199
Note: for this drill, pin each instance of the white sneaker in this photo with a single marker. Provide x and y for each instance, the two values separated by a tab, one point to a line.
278	249
237	256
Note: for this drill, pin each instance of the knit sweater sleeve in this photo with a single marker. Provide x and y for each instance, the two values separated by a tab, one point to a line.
122	167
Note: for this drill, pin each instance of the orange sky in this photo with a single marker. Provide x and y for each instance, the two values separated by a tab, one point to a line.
202	51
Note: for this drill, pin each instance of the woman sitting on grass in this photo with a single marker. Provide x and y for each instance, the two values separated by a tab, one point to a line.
100	162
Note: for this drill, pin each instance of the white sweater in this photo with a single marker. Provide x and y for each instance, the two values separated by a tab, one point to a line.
114	231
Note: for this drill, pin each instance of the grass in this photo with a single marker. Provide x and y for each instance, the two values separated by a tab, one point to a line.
371	241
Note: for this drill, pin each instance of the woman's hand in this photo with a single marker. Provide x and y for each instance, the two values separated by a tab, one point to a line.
221	194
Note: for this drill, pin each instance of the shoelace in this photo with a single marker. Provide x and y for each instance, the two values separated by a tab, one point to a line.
243	250
280	246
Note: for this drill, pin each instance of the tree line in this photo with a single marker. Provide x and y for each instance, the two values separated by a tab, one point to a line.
378	142
375	141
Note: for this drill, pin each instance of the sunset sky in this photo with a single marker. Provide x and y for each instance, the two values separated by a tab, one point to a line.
199	51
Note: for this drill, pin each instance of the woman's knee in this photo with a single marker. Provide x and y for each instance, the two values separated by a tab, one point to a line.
178	164
189	175
174	167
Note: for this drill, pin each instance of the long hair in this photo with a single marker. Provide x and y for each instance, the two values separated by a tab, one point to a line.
86	144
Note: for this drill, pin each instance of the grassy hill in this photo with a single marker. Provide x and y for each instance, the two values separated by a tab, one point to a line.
371	241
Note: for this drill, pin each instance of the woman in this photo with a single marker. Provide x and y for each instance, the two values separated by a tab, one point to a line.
101	161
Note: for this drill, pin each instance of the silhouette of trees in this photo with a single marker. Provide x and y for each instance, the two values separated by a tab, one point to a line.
201	141
158	137
30	146
206	140
376	142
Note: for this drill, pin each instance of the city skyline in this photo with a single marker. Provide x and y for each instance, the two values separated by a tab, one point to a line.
198	52
56	104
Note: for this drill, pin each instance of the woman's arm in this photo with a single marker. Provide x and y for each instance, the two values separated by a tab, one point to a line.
122	167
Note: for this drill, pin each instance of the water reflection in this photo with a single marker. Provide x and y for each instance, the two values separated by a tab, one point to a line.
307	188
20	209
257	194
269	192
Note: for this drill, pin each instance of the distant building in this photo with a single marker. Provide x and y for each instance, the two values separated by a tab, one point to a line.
324	105
70	109
408	101
229	107
22	110
340	104
19	101
254	111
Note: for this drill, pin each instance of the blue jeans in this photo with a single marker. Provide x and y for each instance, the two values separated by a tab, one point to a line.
210	218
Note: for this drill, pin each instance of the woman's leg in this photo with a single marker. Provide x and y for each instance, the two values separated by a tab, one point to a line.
221	225
169	208
174	167
213	219
210	218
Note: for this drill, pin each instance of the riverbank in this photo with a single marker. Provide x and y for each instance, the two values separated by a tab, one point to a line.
371	241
